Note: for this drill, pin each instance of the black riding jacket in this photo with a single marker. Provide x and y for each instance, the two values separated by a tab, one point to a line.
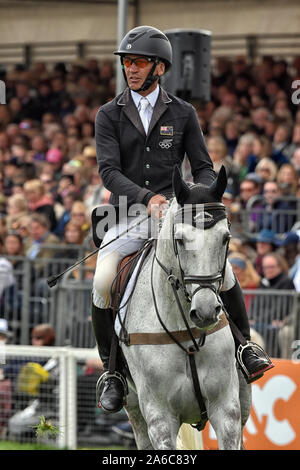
138	166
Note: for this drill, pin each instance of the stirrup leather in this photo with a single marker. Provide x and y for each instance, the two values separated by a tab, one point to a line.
108	375
260	352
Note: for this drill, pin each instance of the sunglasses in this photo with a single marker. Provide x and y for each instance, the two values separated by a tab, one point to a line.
140	62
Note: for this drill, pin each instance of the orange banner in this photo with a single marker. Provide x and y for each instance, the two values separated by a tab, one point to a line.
274	423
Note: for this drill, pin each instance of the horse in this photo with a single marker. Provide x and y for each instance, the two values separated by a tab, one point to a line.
183	309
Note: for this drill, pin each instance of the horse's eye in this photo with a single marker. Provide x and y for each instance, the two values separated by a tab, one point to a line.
226	238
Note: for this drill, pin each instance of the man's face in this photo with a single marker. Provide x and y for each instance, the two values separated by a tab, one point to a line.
271	192
37	230
270	267
137	71
247	190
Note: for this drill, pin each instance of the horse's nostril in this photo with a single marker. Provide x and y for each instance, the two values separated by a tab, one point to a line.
193	315
218	309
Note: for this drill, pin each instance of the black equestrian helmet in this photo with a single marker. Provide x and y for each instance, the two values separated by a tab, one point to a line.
147	41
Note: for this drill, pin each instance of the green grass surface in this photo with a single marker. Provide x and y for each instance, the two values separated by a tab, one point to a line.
11	445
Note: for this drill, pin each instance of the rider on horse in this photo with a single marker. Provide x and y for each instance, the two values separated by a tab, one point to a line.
137	148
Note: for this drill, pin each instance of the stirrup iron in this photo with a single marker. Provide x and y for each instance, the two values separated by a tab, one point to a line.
108	375
260	352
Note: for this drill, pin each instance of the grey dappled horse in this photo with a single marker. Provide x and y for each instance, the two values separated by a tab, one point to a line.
161	393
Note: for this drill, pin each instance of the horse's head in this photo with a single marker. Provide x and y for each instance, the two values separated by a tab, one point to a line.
201	236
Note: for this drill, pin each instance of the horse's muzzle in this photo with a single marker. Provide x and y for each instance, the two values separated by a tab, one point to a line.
205	320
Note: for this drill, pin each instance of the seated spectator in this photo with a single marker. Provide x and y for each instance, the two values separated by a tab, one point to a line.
66	186
12	294
27	376
39	201
94	193
231	135
40	237
73	235
16	207
22	228
246	274
218	152
275	271
39	147
89	161
3	229
266	242
268	312
262	147
54	157
67	200
266	169
244	161
281	142
288	180
43	335
289	248
13	246
80	216
7	281
277	215
295	160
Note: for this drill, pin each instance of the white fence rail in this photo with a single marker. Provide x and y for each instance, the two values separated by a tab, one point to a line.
65	396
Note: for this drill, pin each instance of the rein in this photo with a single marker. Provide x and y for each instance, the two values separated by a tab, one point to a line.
206	281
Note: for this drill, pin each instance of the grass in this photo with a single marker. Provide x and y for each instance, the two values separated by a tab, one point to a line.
11	445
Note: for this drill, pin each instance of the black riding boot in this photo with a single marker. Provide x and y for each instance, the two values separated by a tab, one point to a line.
113	393
234	303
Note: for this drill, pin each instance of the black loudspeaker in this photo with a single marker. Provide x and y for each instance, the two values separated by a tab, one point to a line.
189	77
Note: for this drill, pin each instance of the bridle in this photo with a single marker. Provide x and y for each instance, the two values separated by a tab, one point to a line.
210	213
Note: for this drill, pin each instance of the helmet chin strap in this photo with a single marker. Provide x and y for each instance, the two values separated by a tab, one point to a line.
150	79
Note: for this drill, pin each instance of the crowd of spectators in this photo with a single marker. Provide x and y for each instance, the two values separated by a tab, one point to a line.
49	181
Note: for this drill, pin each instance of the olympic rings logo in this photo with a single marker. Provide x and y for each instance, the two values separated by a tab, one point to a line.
165	144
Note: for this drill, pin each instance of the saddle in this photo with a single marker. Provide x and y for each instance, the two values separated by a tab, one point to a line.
126	268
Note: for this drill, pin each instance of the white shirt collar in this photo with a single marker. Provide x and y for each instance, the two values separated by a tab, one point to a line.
152	97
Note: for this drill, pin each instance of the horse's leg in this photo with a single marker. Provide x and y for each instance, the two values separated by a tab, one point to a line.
225	418
245	401
163	427
138	423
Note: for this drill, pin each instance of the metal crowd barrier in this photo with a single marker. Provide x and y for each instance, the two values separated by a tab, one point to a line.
272	313
255	217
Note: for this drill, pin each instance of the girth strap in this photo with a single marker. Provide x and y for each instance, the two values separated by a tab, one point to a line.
197	390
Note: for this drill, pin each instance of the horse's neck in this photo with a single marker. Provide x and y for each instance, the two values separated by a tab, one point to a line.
164	249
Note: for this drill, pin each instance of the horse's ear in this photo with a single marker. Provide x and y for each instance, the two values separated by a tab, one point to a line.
180	188
219	185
